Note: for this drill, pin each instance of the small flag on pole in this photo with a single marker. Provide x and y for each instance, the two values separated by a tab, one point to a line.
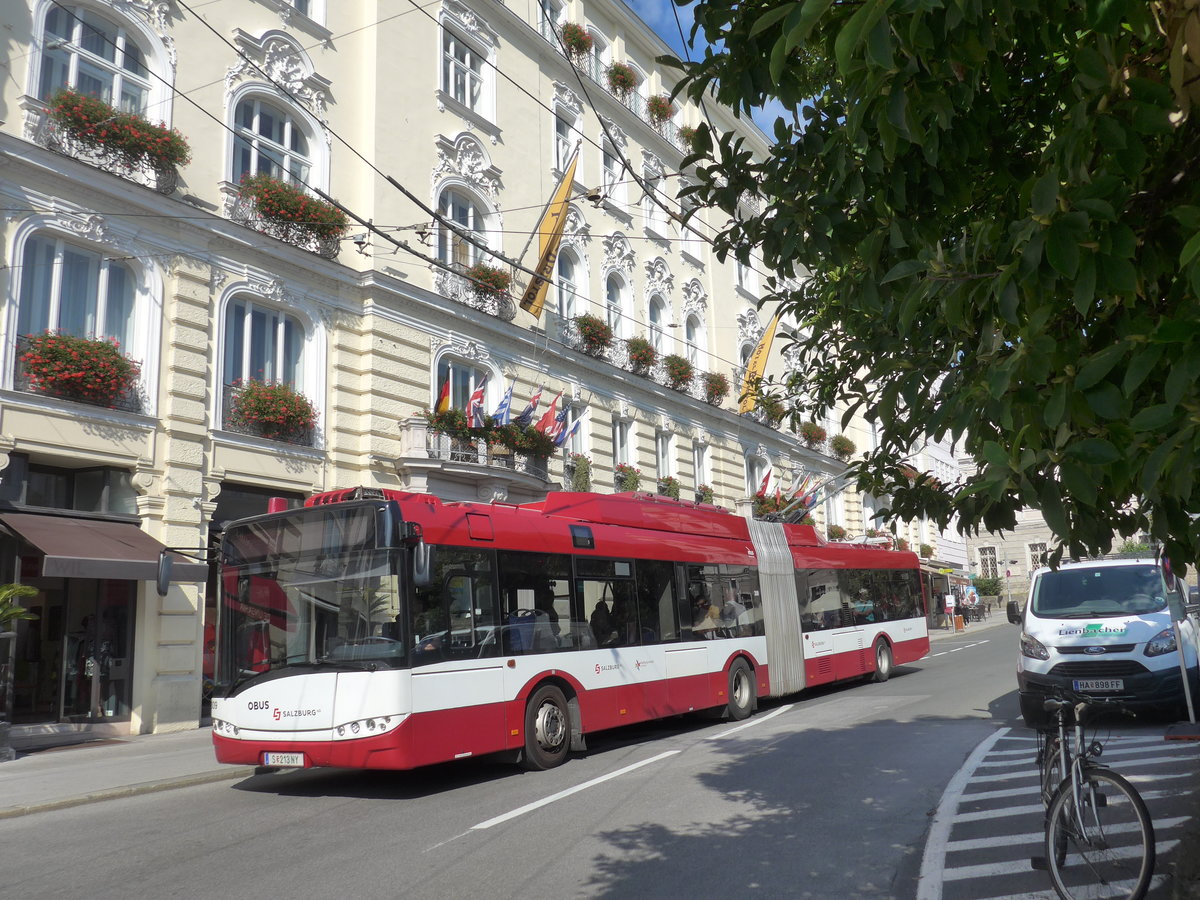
547	419
504	411
565	438
475	415
766	483
443	400
559	425
525	419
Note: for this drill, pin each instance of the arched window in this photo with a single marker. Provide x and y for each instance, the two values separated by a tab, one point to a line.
262	344
614	296
269	141
566	286
95	56
463	378
756	470
657	314
693	338
73	290
458	207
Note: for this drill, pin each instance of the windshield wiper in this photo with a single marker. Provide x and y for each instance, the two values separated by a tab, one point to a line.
347	663
250	674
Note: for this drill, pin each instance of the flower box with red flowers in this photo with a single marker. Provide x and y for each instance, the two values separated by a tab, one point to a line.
292	215
99	125
87	370
273	410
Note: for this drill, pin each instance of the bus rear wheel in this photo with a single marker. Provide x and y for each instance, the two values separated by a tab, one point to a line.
741	691
547	729
883	662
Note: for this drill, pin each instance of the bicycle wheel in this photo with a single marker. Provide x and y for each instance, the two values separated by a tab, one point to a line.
1105	848
1050	768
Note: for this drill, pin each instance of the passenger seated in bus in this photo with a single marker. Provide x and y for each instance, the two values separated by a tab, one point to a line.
706	618
602	625
544	603
624	620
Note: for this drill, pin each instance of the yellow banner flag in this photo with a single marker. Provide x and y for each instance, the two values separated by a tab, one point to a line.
756	366
550	232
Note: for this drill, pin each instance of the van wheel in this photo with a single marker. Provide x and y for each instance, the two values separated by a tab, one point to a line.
883	662
547	729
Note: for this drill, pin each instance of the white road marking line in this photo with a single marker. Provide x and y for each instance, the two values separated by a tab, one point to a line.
757	720
546	801
933	862
1020	866
1036	838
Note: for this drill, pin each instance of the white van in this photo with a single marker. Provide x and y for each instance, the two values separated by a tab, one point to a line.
1105	627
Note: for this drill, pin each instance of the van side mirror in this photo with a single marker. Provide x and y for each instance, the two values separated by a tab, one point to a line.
1014	612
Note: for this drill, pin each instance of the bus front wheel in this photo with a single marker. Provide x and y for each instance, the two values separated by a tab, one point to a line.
547	729
741	691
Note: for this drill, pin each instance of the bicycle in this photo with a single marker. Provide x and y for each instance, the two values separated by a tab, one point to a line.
1099	838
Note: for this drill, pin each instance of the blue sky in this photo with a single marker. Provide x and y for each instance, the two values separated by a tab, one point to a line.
659	16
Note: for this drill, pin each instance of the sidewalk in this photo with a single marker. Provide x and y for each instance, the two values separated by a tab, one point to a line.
75	774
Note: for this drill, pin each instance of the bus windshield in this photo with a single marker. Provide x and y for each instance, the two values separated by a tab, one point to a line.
307	590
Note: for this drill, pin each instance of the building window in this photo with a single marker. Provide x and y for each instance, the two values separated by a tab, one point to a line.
747	278
987	563
99	489
550	16
663	455
1037	555
620	440
269	141
693	339
463	211
700	463
611	169
566	285
655	215
565	139
94	56
71	290
657	322
462	71
614	296
756	468
463	379
262	344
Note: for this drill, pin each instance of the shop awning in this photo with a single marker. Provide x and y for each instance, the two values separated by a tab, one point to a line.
88	548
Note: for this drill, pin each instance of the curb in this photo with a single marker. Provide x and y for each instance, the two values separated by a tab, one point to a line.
146	787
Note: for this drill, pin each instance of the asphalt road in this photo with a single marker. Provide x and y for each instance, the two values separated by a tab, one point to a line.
827	794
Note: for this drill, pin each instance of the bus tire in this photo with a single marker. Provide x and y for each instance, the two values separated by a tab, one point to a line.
883	661
547	729
740	701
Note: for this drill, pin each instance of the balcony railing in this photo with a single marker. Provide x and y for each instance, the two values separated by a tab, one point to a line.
304	437
45	132
463	290
130	401
244	211
597	70
481	453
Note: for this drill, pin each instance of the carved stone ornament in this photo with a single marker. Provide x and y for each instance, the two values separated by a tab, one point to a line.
286	65
659	279
465	158
749	327
464	19
652	166
156	14
617	136
618	254
86	225
567	99
470	350
270	289
695	300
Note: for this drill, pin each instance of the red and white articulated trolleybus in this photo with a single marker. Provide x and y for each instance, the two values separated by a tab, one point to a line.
387	630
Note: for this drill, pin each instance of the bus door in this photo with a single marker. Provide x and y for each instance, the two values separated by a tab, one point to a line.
822	623
457	671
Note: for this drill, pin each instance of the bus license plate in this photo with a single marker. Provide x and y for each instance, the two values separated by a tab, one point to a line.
284	759
1099	684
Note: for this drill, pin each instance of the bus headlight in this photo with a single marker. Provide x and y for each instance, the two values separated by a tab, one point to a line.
1033	648
1163	642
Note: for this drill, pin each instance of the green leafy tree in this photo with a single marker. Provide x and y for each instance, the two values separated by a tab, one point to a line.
998	207
10	610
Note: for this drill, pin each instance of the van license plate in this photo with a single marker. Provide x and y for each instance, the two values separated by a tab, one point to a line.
289	759
1099	684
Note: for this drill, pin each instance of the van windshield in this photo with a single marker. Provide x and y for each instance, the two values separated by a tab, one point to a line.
1105	591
